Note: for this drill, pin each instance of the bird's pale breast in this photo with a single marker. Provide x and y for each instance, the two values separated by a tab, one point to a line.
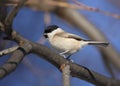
63	44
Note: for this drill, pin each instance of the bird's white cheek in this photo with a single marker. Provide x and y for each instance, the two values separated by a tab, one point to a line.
50	37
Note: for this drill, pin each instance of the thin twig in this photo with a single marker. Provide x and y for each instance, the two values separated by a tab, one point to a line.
1	27
78	5
14	12
66	75
47	18
88	8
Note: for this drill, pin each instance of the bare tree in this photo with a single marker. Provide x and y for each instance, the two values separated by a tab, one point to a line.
25	46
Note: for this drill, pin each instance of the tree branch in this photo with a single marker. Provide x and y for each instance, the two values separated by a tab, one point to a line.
9	50
76	70
24	48
11	64
13	12
66	75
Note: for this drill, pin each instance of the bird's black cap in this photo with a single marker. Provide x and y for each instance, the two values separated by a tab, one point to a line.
50	28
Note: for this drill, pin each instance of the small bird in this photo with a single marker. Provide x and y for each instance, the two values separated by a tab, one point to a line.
67	43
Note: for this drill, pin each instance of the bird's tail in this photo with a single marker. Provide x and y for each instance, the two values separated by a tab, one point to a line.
98	43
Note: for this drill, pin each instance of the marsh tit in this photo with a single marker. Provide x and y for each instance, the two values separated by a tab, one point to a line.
67	43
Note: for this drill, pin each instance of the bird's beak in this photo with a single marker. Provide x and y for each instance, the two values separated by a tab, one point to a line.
45	35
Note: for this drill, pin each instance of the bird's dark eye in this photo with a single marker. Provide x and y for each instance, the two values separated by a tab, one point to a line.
45	35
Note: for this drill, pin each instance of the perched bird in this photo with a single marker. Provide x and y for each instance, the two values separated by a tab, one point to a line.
67	43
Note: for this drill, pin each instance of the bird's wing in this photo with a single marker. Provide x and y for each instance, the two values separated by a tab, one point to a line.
69	35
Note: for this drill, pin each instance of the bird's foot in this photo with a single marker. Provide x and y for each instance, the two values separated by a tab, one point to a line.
70	60
62	55
67	58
